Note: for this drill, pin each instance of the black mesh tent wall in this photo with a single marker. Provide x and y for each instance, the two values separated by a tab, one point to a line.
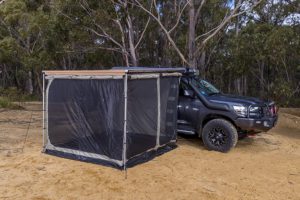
113	117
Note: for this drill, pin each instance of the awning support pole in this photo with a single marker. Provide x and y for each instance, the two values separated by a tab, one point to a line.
158	113
44	111
46	117
125	124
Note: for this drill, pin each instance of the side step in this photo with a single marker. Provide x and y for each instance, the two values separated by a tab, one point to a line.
185	129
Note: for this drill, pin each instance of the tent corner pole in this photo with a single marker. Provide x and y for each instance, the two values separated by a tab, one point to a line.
44	112
158	113
125	124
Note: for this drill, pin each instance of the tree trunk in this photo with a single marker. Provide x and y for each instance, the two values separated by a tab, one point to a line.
245	85
191	38
29	85
202	64
237	20
239	81
229	83
131	41
261	80
69	62
237	85
39	83
64	63
3	74
17	79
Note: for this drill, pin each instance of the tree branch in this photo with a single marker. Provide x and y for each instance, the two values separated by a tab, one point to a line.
249	9
233	14
104	34
142	35
180	12
199	9
157	19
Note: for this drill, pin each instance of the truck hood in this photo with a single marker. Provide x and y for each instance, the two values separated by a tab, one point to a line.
235	99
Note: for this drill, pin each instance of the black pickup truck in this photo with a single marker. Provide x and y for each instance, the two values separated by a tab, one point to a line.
220	119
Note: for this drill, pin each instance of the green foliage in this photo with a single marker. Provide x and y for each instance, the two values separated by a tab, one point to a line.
261	59
8	49
268	56
10	98
16	95
6	103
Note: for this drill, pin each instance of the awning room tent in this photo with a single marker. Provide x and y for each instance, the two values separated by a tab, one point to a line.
118	117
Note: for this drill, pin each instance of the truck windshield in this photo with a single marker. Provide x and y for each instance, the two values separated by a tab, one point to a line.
204	87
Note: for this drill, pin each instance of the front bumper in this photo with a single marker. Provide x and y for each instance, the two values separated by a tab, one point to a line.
263	124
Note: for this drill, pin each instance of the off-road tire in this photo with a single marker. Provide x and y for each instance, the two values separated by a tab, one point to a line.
219	135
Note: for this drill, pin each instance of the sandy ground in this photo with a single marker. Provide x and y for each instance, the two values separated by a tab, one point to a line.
266	166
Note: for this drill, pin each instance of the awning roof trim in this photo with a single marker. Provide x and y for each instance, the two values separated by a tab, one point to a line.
112	72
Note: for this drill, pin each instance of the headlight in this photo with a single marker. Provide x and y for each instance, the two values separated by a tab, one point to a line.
240	110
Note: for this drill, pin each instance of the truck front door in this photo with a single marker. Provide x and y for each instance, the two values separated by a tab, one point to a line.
188	109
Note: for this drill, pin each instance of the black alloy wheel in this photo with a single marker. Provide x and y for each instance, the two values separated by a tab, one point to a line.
219	135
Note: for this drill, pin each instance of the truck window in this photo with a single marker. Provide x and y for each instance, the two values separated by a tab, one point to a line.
204	87
183	87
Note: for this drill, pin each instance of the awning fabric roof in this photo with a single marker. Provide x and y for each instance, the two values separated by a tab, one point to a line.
117	71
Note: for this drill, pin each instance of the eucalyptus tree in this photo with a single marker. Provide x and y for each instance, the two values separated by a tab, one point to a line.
197	40
265	53
23	32
116	26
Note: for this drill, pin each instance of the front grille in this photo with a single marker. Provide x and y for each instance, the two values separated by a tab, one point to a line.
262	111
266	111
257	113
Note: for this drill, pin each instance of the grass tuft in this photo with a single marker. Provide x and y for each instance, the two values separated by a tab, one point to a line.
7	104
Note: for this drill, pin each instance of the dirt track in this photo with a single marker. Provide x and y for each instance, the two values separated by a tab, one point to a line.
266	166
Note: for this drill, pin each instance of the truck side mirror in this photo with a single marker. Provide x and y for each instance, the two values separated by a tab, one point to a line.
189	93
